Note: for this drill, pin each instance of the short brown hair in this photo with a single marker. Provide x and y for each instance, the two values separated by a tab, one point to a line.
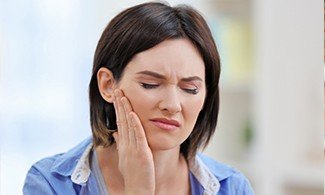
137	29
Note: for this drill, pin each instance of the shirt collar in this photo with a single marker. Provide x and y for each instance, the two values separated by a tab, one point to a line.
81	172
65	163
204	176
75	163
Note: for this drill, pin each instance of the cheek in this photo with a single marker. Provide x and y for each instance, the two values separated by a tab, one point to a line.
192	109
139	100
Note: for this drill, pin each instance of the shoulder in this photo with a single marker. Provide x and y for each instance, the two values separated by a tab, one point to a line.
231	180
51	175
41	180
38	179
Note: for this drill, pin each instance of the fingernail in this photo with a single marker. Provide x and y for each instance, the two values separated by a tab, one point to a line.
123	100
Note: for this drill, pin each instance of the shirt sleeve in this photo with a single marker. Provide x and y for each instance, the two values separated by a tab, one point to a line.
35	183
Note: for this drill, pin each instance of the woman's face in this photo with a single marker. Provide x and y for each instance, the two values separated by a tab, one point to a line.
166	88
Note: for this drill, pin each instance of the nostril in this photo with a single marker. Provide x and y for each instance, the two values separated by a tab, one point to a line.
170	102
172	109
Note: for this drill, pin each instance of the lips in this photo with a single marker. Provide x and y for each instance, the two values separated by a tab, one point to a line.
167	124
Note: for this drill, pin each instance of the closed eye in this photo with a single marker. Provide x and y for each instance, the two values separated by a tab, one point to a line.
192	91
148	86
152	86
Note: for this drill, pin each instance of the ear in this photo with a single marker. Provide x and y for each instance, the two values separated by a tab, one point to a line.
106	84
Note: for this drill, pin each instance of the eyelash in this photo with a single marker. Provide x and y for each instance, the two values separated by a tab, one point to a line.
191	91
148	86
151	86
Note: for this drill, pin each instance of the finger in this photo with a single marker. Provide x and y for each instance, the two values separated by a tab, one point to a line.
126	104
117	113
116	138
121	119
128	109
139	133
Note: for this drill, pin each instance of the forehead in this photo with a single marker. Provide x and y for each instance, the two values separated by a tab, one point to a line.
179	57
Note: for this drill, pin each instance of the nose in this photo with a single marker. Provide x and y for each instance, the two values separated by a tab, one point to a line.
170	102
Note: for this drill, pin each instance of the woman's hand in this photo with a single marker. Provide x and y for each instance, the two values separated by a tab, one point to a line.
135	157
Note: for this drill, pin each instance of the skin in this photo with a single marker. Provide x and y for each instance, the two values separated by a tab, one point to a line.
166	81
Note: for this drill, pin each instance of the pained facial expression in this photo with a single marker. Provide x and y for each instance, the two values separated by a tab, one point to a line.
166	82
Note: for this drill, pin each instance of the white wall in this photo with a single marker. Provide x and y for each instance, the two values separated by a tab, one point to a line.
289	97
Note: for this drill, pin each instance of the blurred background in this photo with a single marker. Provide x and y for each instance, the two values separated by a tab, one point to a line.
271	117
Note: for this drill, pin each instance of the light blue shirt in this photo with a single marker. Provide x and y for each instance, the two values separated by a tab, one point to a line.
70	173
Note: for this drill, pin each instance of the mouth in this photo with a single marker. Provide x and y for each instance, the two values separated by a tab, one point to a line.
166	124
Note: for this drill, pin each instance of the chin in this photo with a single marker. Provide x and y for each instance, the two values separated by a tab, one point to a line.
161	143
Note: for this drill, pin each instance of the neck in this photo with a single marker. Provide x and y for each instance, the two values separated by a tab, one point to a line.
167	164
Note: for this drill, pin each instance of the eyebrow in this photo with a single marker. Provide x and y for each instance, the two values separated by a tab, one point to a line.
160	76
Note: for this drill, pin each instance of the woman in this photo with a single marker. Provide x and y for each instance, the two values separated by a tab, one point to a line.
154	102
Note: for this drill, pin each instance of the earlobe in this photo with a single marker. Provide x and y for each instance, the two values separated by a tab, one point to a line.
106	84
